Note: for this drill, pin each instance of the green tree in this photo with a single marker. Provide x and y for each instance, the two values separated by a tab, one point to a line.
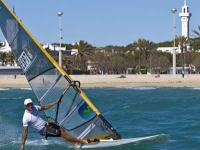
3	58
160	62
195	60
182	41
119	64
144	48
10	58
195	43
85	52
139	46
197	31
102	63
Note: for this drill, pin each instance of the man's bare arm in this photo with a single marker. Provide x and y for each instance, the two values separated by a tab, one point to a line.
47	106
24	137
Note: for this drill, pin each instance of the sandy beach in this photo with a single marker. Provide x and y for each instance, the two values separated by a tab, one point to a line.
115	81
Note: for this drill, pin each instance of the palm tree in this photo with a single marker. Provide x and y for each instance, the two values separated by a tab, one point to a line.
84	53
10	57
150	47
139	44
182	40
145	48
197	31
3	58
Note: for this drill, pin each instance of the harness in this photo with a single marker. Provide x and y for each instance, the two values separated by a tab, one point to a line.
52	130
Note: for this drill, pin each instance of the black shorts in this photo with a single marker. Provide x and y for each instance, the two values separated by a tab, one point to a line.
51	130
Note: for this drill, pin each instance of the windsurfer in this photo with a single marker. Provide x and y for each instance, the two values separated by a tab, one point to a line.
31	117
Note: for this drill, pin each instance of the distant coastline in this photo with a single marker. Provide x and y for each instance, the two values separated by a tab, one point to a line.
12	81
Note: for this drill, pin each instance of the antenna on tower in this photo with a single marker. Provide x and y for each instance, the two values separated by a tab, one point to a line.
185	2
14	9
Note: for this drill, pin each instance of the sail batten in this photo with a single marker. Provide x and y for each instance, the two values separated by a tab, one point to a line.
69	114
48	80
50	88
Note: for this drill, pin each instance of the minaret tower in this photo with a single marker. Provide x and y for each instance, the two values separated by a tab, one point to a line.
185	18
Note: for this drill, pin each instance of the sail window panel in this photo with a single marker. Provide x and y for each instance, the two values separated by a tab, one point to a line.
68	103
42	83
80	113
55	94
96	128
48	88
9	26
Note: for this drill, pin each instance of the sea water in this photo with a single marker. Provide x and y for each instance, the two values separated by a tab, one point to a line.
134	112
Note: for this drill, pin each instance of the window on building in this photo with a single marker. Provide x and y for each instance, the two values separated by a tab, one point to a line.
2	44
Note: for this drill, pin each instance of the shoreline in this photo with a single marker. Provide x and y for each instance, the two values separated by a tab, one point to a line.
93	81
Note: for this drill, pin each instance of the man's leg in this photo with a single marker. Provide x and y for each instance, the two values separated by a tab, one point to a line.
71	138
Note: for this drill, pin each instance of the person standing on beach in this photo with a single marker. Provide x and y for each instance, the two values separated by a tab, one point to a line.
31	117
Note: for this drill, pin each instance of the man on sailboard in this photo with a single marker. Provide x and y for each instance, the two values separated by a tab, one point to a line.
31	117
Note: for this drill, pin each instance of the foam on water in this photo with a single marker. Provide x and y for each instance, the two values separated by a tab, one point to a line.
5	143
8	133
142	88
121	87
4	89
195	88
13	98
25	89
40	142
128	141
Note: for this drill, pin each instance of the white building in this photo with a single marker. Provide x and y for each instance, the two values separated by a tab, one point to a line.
4	47
74	51
185	19
169	49
53	47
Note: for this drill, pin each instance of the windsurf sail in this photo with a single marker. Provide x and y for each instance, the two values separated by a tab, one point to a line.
75	112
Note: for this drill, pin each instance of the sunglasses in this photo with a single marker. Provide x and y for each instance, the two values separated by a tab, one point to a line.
29	104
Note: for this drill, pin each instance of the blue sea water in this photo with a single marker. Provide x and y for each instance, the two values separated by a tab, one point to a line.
134	112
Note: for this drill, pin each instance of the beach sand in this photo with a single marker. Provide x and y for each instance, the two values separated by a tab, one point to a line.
115	81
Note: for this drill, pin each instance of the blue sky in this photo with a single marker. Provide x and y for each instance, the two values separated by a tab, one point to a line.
103	22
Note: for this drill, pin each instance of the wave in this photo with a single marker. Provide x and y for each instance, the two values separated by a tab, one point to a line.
6	143
142	88
4	89
8	135
25	88
11	98
122	87
195	88
40	142
28	88
126	106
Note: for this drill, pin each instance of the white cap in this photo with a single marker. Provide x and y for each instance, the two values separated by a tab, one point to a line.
27	101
